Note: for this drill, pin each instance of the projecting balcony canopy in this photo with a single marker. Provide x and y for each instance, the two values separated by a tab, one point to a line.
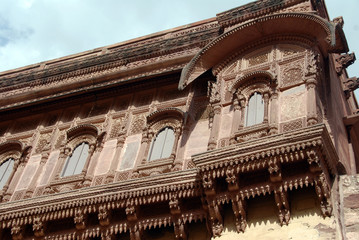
329	36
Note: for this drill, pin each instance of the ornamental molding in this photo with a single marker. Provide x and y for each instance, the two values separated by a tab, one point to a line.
315	136
330	38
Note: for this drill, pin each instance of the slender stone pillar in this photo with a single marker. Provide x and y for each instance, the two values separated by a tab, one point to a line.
312	117
273	116
212	143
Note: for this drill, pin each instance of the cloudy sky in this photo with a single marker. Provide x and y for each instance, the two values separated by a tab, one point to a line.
32	31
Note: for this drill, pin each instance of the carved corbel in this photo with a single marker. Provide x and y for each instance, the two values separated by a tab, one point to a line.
180	229
178	224
350	85
17	232
135	232
314	162
323	192
208	184
239	207
80	219
281	199
103	216
275	172
215	219
38	227
232	180
343	61
339	20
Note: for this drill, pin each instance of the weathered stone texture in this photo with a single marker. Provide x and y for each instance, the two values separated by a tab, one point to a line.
349	189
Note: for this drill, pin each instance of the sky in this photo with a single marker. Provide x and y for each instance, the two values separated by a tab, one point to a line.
33	31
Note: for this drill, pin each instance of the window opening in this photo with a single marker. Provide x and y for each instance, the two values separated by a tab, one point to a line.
255	110
5	171
76	162
162	144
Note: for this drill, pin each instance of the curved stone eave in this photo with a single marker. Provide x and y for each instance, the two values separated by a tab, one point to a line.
329	37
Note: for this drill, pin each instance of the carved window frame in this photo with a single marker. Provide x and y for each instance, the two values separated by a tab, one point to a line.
168	117
10	149
243	88
75	136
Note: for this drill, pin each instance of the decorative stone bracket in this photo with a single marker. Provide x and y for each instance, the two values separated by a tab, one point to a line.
343	61
350	85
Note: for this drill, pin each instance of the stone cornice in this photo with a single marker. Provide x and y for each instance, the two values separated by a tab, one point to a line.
135	191
150	56
253	10
270	146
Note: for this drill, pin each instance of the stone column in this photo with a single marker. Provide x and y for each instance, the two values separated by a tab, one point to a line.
143	152
243	114
273	115
236	120
178	158
312	118
88	175
212	143
266	103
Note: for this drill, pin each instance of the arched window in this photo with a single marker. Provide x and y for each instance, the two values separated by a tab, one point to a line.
255	110
162	144
76	161
6	169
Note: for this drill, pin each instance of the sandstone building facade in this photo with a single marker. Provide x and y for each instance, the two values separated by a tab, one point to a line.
241	126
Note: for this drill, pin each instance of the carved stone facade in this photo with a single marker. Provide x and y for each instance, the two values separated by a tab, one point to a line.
258	123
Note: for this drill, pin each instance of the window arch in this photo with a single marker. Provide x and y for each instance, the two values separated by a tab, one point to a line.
162	144
254	110
76	161
6	169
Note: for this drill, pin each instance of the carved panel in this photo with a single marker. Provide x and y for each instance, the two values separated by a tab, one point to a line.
44	143
18	195
190	164
292	76
97	180
224	142
39	191
122	176
137	124
61	140
116	128
291	103
292	125
258	59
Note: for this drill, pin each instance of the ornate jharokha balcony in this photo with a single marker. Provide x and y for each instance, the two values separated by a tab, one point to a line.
272	165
